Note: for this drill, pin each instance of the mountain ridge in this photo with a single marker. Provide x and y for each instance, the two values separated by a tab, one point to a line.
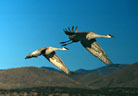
119	78
35	77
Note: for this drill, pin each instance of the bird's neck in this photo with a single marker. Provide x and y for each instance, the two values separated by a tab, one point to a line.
99	36
55	49
62	48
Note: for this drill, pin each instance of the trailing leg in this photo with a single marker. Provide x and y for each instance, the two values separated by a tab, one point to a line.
64	42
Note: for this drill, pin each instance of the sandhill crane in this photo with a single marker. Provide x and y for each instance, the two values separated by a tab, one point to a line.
49	53
88	41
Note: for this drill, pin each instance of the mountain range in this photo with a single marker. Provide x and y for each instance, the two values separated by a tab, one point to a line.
117	75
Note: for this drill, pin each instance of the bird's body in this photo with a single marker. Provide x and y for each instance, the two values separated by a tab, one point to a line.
79	36
49	53
87	39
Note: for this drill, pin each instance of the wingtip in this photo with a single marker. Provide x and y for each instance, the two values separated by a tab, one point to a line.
27	57
76	28
110	64
68	73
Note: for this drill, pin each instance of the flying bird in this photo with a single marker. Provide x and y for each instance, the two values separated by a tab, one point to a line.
88	40
50	54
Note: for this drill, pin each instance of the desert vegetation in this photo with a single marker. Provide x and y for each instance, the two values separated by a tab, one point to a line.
64	91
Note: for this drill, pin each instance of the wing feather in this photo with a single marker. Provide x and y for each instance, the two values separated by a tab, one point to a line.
54	59
76	28
69	33
72	28
35	53
94	48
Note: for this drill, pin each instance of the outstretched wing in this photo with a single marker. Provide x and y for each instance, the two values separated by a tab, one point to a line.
54	59
69	31
35	53
94	48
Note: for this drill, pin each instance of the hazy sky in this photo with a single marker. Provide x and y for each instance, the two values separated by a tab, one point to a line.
27	25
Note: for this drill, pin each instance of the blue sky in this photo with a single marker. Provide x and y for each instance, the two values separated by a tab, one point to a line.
26	25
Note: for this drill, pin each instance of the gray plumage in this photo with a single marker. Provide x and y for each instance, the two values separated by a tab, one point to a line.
88	40
49	53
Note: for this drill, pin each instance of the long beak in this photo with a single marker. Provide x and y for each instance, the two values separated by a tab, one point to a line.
113	36
66	48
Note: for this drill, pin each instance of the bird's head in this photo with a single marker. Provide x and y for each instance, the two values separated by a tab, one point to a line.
64	48
109	36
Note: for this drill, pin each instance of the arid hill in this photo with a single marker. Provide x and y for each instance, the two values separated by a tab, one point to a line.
91	75
33	77
126	77
82	73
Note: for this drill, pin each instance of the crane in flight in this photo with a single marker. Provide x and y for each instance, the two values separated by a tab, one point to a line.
50	54
88	41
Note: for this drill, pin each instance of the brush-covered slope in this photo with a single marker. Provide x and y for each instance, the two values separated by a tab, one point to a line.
109	69
32	77
88	75
87	79
126	77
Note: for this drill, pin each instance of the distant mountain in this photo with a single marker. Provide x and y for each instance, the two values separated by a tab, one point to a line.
109	69
126	77
83	71
99	71
103	70
49	68
33	77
